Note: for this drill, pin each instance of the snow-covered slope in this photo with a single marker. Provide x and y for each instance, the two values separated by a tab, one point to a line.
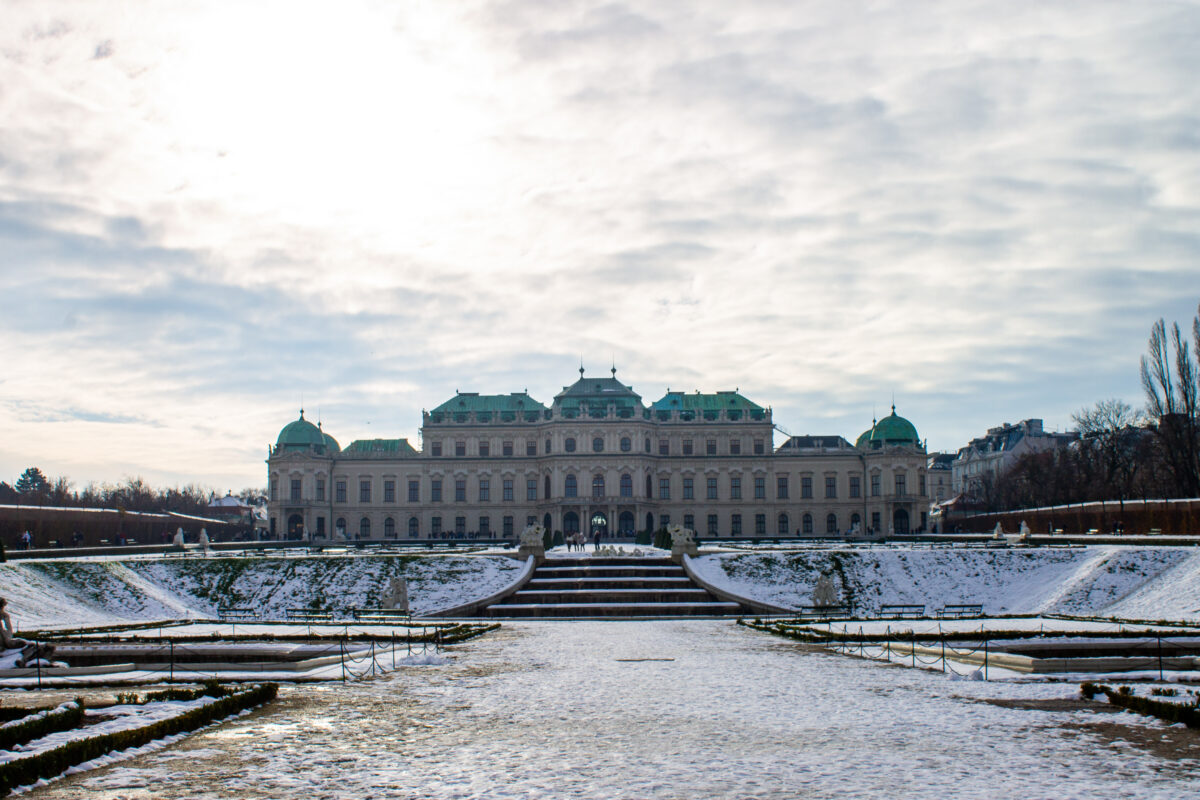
1142	582
64	593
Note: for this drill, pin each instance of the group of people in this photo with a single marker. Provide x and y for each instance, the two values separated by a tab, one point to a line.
578	541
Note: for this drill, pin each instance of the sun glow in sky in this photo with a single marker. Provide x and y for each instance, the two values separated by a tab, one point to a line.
210	213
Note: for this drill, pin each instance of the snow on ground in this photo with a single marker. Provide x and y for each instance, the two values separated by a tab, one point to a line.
68	593
1142	582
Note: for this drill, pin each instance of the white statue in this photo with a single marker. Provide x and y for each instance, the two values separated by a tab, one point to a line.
533	536
998	533
397	594
204	539
179	538
681	536
824	593
1026	534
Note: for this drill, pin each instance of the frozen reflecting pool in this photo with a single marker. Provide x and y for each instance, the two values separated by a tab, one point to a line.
665	709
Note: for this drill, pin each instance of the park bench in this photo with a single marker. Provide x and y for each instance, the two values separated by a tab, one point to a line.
960	610
1155	531
231	614
309	615
901	611
380	614
810	612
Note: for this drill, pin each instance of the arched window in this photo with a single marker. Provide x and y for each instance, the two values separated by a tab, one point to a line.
569	445
598	445
806	524
783	528
572	487
831	525
625	523
855	519
626	485
414	527
570	522
389	528
364	528
649	521
546	494
649	486
598	486
626	444
647	444
340	526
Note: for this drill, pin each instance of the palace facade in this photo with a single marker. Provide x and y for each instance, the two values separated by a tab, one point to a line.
597	458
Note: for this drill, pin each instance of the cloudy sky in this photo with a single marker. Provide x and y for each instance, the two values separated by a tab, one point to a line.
211	213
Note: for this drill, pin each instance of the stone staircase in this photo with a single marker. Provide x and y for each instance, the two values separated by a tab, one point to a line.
610	588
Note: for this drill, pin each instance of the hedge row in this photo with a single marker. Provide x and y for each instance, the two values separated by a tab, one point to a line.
1188	714
38	724
804	632
50	763
447	632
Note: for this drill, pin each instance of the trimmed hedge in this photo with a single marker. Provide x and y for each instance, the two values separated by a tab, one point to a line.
1188	714
51	763
40	723
433	633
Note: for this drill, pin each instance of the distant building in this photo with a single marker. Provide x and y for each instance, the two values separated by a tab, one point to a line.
990	456
596	459
940	468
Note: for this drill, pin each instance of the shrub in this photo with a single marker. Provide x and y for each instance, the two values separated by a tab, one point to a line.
548	539
642	537
37	725
1187	713
558	539
662	539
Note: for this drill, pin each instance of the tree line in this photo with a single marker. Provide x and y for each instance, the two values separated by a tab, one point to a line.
1123	453
132	494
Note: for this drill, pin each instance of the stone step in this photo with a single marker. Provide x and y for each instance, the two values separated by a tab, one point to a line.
609	583
610	572
525	597
614	610
616	561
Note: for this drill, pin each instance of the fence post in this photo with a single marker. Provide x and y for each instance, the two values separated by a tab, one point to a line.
888	643
985	657
342	652
37	659
393	648
372	658
1160	667
171	662
943	650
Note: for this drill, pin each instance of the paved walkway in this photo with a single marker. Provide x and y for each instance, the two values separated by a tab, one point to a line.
671	709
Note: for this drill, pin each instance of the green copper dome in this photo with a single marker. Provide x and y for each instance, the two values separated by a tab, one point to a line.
300	435
894	430
331	444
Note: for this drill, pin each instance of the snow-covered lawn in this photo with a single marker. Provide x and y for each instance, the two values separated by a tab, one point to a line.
1131	582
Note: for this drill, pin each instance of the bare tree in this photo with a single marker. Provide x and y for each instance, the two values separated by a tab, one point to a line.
1110	448
1171	379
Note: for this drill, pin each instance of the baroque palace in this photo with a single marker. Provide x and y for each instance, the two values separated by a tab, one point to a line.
597	459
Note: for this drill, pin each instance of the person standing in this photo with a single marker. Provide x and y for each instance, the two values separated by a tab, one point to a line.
26	540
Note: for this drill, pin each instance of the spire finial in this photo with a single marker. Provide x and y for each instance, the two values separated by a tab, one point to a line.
581	366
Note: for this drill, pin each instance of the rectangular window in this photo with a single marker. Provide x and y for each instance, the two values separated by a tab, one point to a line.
710	447
711	488
875	485
485	527
507	449
547	445
530	521
689	522
436	448
712	524
831	486
460	490
781	487
485	490
274	489
687	489
687	447
340	491
875	520
781	525
901	489
436	526
435	490
664	520
855	486
735	447
485	449
760	524
664	488
460	448
508	527
389	491
295	488
414	491
531	489
735	525
735	487
760	488
321	489
805	487
531	448
460	526
364	491
921	485
508	490
758	447
663	447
